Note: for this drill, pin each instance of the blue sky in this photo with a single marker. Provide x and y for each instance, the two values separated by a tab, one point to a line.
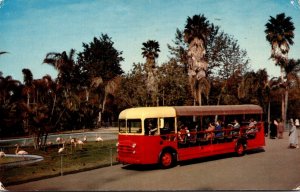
29	29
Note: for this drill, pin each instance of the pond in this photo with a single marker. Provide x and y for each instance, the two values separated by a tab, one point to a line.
11	160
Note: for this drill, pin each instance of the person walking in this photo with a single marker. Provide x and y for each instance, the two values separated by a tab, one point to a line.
293	135
280	129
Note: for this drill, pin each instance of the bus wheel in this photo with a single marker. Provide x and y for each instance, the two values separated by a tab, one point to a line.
240	149
166	160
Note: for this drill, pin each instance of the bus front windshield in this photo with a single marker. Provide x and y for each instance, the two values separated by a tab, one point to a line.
132	126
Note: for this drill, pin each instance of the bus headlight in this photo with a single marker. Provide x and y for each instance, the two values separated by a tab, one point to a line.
133	145
133	152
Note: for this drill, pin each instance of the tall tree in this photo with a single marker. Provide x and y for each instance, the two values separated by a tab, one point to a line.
132	88
227	63
173	84
253	87
29	88
99	62
150	51
196	33
280	33
64	64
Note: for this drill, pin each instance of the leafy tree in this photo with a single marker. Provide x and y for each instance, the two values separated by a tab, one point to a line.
132	88
100	59
227	63
10	96
99	62
253	88
173	84
179	50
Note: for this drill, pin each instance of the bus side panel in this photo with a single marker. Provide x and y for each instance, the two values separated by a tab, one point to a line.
205	150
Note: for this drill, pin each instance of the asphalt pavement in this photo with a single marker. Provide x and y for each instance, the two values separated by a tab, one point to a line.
275	168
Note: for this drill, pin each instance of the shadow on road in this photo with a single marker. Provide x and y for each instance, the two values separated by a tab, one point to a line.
190	162
141	167
218	157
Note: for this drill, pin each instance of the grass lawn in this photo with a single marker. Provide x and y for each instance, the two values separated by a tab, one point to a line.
92	155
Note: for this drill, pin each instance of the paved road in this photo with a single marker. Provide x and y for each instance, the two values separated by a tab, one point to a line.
274	168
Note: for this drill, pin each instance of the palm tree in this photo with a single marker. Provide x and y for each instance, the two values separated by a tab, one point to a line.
29	88
63	63
292	70
150	51
280	33
196	33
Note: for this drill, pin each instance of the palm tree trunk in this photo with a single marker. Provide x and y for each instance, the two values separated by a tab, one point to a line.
269	109
52	111
286	104
282	108
200	97
282	97
86	95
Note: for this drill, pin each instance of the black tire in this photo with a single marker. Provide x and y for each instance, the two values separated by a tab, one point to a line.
240	149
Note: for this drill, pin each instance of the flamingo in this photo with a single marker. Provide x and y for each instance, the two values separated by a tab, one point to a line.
60	150
49	143
84	139
60	140
2	188
79	142
98	139
2	154
73	141
21	152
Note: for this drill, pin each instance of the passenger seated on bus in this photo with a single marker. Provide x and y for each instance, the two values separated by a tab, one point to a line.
252	123
236	127
210	129
252	126
218	129
151	129
183	133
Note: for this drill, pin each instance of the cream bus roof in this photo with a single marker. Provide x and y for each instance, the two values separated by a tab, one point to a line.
147	112
152	112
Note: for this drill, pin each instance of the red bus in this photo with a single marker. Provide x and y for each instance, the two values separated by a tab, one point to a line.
166	135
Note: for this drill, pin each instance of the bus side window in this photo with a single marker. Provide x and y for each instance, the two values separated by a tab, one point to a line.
168	126
151	126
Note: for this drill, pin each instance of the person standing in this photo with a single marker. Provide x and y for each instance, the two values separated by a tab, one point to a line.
293	135
280	129
266	127
273	130
297	124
